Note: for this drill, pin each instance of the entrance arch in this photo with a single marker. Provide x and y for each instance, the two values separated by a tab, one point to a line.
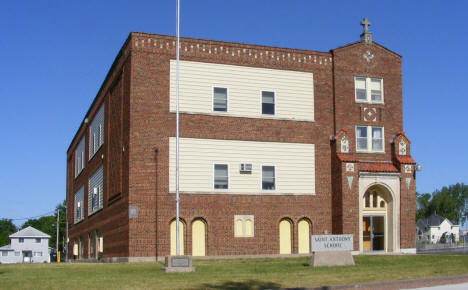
198	237
285	236
377	219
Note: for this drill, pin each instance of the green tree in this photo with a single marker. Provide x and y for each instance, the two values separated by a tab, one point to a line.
48	225
6	228
449	202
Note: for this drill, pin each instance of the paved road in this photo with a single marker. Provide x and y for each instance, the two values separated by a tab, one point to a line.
462	286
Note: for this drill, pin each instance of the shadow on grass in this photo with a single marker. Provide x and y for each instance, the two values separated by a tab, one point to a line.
250	285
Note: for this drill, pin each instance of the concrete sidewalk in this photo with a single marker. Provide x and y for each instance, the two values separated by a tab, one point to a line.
462	280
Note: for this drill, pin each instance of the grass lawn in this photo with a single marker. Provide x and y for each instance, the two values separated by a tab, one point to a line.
228	274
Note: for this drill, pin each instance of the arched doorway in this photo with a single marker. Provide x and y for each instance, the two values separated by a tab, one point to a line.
376	220
285	236
198	237
173	238
303	236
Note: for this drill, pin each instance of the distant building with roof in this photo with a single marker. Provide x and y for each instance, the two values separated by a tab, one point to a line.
26	246
432	229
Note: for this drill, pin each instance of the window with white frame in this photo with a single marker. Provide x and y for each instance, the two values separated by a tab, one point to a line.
21	240
37	254
369	139
17	254
369	90
220	99
243	226
79	156
221	176
268	103
38	240
96	191
79	198
4	253
268	177
96	132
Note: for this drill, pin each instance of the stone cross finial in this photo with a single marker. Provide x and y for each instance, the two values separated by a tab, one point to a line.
365	24
366	35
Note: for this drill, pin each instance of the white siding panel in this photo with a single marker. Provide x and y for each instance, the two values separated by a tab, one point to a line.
294	166
294	91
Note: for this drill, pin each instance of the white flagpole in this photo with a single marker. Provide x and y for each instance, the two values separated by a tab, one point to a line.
177	130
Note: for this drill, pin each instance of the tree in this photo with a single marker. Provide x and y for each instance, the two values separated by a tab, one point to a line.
48	225
6	229
449	202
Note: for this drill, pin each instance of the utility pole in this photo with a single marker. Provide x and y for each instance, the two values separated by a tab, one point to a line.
66	233
57	238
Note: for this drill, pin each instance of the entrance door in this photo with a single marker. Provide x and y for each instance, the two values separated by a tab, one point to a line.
373	233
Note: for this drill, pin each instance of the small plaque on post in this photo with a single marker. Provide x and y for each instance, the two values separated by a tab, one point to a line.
331	250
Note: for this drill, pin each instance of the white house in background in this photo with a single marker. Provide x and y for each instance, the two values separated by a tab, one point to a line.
26	246
434	227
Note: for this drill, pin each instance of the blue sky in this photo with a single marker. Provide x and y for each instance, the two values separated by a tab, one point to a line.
55	54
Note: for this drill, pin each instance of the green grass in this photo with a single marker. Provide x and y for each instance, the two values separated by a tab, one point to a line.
228	274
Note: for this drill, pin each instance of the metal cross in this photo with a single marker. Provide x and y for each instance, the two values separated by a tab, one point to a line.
365	23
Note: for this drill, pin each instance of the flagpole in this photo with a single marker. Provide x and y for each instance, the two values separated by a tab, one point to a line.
177	129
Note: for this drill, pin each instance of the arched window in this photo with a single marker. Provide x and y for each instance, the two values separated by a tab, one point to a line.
374	200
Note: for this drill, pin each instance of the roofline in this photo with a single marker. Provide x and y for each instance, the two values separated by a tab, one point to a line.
240	44
356	42
114	63
46	236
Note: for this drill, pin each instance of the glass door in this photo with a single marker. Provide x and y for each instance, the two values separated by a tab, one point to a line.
373	233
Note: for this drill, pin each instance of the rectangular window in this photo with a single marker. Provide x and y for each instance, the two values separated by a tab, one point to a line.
79	199
96	132
21	240
38	254
369	138
4	253
376	90
220	99
361	138
243	226
96	191
268	177
17	254
79	157
377	140
38	240
368	90
361	90
268	103
221	176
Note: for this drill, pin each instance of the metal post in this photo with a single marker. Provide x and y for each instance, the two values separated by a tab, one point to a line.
57	237
177	130
66	233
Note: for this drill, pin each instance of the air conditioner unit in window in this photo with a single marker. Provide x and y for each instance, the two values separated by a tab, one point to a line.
246	168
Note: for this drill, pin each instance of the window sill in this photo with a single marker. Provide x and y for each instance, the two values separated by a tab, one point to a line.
370	152
94	212
369	103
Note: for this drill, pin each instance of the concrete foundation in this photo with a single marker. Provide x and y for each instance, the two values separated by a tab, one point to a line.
328	258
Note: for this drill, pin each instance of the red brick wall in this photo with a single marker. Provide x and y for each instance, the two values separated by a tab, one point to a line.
136	149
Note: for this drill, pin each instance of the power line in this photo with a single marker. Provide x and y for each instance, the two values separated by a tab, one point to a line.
32	217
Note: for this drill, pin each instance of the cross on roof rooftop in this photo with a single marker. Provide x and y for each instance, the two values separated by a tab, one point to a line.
365	24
